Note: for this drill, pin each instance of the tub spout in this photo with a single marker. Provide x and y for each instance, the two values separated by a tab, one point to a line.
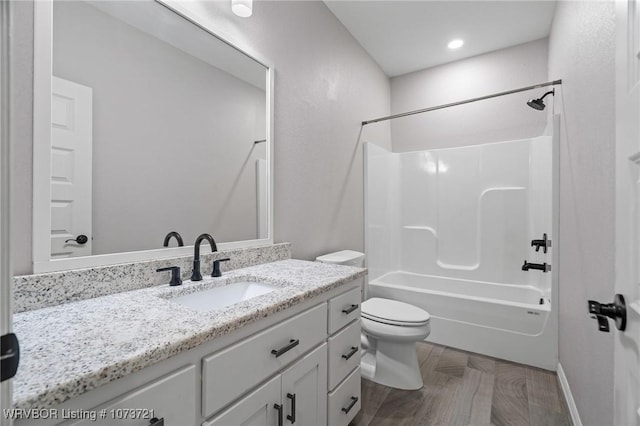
544	267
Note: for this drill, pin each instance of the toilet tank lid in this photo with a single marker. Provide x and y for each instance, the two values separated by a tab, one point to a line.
394	310
340	257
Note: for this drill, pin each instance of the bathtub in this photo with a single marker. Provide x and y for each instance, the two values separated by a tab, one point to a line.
504	321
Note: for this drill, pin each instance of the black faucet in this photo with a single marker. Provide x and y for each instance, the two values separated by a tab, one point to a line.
544	243
544	267
176	236
196	275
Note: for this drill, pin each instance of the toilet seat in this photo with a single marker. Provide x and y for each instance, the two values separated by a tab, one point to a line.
393	312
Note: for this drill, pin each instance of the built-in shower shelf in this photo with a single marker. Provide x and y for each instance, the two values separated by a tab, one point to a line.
424	228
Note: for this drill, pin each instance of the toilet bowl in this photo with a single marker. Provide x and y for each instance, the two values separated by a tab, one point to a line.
390	331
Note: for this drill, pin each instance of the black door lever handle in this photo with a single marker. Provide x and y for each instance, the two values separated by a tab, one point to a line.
617	311
80	239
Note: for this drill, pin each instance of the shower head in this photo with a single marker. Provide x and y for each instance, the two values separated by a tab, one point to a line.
539	103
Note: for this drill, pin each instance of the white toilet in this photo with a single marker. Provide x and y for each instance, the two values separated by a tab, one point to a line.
390	331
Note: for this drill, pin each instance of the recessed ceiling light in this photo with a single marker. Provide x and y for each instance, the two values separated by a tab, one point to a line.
242	8
455	44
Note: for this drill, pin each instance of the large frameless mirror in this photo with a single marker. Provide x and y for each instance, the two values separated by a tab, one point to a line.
153	125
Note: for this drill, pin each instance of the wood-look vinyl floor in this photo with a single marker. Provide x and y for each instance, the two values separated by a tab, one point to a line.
463	388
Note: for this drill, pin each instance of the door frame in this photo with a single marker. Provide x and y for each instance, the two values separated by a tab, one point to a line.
42	72
627	161
6	316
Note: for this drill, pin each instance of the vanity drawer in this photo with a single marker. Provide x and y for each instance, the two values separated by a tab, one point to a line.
233	371
345	401
343	309
344	353
171	398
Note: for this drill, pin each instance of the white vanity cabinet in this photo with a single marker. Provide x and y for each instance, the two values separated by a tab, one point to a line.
300	365
323	387
297	396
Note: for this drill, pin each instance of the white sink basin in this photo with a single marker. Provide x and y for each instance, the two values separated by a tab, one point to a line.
219	297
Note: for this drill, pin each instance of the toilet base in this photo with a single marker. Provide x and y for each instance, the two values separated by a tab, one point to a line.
392	364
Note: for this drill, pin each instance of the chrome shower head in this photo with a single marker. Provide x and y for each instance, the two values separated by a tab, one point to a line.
539	103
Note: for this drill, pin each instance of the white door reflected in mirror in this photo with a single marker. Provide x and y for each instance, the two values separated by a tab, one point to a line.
71	147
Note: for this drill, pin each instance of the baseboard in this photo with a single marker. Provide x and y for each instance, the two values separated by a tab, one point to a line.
564	384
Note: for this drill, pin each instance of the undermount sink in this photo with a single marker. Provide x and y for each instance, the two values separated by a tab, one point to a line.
219	297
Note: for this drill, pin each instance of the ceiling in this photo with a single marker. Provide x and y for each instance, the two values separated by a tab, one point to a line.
406	36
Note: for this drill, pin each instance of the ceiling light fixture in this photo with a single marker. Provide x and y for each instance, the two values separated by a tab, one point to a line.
242	8
455	44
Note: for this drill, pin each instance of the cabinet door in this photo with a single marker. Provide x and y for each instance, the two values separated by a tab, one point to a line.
304	390
256	409
171	398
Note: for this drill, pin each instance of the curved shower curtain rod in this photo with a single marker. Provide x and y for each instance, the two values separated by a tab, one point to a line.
420	111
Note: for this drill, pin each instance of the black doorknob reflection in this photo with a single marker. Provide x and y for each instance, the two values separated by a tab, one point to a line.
80	239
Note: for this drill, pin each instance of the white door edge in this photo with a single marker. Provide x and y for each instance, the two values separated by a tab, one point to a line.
6	395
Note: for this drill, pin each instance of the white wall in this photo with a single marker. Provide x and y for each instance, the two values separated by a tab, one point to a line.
325	85
582	54
144	167
499	119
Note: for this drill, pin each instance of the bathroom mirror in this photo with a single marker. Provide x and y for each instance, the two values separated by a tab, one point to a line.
145	123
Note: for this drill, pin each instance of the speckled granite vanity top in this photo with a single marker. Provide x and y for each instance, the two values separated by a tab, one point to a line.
69	349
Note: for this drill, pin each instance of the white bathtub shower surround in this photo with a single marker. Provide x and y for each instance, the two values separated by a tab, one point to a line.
448	230
467	212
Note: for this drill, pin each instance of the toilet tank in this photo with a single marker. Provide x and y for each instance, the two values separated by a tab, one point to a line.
344	257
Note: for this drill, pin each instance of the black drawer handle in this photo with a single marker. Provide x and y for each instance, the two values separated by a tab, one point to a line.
348	408
350	309
156	422
279	408
292	344
292	417
353	351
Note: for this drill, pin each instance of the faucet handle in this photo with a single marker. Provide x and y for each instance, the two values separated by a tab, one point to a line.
544	243
216	267
175	274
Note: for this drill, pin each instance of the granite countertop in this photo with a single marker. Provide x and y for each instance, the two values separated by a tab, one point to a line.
69	349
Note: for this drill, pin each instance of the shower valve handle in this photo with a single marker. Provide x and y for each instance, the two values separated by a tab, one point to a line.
544	243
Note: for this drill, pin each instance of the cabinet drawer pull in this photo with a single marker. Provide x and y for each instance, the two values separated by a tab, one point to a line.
348	408
156	422
292	417
292	344
278	407
351	353
350	309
